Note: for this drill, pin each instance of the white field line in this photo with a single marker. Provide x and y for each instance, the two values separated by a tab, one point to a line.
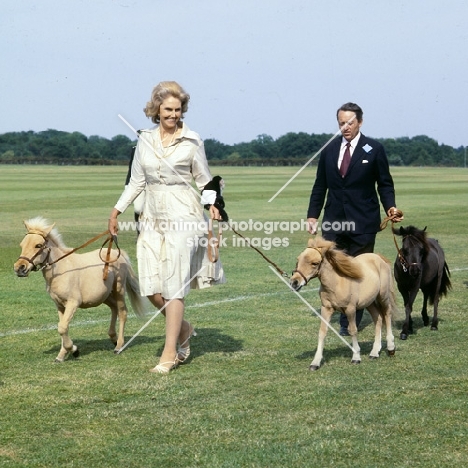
80	323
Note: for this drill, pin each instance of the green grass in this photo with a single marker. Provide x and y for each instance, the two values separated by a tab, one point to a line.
246	399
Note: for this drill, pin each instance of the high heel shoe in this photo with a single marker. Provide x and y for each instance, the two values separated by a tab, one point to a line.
161	369
184	352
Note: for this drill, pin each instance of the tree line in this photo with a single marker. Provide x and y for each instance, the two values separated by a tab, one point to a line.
65	148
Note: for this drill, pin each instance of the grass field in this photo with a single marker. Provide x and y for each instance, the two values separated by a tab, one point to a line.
246	399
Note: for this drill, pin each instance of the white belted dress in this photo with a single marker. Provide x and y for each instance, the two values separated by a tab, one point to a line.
171	246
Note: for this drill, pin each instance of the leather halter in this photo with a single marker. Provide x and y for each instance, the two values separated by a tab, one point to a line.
302	274
39	252
397	215
107	260
404	263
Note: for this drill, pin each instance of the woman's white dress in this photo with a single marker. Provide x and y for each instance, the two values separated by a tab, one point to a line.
171	246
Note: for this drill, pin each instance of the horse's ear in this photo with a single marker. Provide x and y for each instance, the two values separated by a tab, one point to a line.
48	229
26	225
425	227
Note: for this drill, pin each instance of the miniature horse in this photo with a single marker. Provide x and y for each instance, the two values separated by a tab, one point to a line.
77	281
420	264
346	284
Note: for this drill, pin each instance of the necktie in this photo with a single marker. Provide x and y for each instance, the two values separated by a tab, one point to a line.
346	160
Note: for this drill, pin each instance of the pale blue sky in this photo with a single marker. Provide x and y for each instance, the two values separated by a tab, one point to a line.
251	66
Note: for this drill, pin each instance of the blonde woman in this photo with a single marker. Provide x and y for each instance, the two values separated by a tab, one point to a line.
170	247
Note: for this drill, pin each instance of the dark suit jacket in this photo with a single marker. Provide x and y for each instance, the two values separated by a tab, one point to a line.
354	197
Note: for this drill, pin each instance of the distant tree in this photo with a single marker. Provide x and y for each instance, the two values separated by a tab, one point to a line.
58	147
121	147
234	157
264	147
7	157
216	150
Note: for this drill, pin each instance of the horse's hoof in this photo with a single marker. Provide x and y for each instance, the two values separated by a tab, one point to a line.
355	361
76	353
434	328
391	352
403	336
373	357
314	368
58	361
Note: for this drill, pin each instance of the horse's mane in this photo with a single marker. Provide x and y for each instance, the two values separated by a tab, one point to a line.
342	263
40	226
413	232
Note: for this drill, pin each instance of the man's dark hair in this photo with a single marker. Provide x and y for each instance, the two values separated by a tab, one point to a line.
350	106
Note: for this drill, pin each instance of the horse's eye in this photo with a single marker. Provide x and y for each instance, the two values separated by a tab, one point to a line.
39	246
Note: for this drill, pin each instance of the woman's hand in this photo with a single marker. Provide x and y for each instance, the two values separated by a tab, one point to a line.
112	224
214	213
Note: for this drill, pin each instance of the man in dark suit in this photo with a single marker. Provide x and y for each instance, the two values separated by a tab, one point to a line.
349	170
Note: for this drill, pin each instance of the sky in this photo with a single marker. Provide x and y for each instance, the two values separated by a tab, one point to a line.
251	67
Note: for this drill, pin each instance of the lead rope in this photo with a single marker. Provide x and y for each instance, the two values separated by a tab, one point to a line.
277	268
107	261
383	225
110	239
95	238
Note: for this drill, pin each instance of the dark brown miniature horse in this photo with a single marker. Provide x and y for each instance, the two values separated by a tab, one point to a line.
420	265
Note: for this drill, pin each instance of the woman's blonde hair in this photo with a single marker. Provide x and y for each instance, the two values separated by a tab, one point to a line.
162	91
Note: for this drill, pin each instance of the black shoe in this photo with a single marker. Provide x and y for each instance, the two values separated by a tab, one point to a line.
344	331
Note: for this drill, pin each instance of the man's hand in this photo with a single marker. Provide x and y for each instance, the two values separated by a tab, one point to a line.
395	214
312	225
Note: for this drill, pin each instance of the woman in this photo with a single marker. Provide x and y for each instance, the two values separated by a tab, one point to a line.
170	250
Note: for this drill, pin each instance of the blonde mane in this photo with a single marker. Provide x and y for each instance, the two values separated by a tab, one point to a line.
342	263
40	225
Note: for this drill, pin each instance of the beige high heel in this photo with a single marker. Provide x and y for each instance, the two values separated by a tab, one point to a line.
161	369
184	352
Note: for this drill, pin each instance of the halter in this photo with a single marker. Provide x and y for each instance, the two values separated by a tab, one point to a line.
302	274
46	263
39	252
398	214
404	263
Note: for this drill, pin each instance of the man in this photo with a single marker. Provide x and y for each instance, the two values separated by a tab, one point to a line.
348	172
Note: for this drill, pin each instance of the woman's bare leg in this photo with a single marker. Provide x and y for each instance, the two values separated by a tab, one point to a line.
177	329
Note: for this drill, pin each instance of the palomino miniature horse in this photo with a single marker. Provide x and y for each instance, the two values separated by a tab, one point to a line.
77	281
420	264
347	284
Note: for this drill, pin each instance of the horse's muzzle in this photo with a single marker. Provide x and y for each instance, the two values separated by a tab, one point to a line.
414	270
21	268
296	284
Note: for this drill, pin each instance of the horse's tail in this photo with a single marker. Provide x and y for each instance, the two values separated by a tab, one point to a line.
393	301
390	296
445	284
132	287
